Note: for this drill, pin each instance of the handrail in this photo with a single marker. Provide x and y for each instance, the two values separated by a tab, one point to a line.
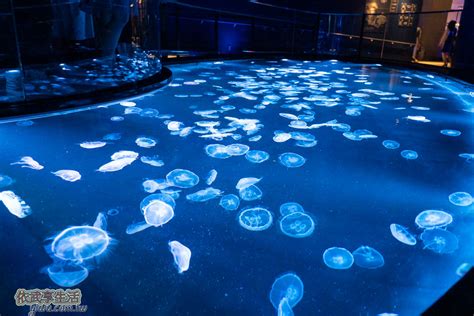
345	13
233	13
373	39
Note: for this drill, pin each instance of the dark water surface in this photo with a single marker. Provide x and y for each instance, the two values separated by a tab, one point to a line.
353	190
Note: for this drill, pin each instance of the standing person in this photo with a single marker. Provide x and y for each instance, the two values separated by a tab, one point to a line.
110	17
447	43
417	49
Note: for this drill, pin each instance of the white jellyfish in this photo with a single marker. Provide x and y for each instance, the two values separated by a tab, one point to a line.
181	255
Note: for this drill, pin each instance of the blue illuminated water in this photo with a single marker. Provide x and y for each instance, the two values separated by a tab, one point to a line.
353	187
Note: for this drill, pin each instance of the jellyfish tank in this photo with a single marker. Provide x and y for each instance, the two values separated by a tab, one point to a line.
252	186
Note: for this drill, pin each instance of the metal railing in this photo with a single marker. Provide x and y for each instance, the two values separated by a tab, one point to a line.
382	36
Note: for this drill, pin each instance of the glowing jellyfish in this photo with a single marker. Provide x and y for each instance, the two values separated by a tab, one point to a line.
122	154
433	219
211	177
409	154
367	257
127	103
145	142
28	162
117	118
450	132
5	180
439	240
15	204
112	212
297	225
116	165
151	186
461	199
230	202
237	149
288	286
463	269
204	195
402	234
80	243
157	209
390	144
148	112
25	123
291	160
281	137
257	156
246	182
290	207
467	156
182	178
181	255
92	145
338	258
112	136
255	218
217	151
67	274
154	161
68	175
250	193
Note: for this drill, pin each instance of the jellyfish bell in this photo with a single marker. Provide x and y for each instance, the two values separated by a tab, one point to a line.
257	156
288	286
430	219
182	178
211	176
338	258
439	240
461	199
367	257
409	154
5	180
79	243
15	204
291	160
145	142
237	149
250	193
255	218
230	202
68	175
450	132
246	182
297	225
402	234
66	273
181	255
93	144
463	269
158	209
204	195
217	151
290	207
391	144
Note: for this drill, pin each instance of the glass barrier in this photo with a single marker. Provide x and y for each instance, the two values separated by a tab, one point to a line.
72	47
69	47
339	34
11	78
